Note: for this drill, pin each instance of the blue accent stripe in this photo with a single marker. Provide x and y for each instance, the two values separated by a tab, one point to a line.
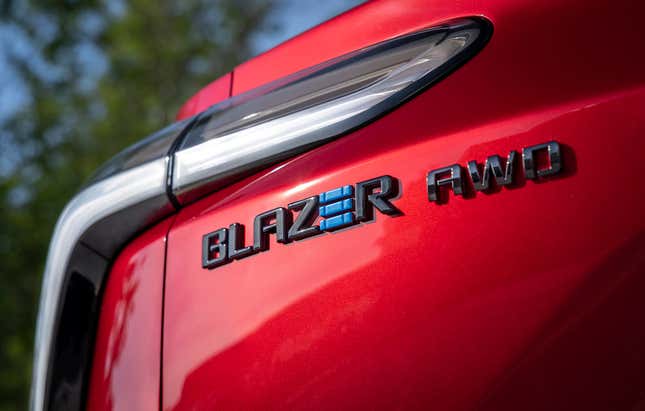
336	208
336	194
339	221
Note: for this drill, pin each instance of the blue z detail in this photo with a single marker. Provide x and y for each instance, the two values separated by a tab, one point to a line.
336	194
338	221
336	208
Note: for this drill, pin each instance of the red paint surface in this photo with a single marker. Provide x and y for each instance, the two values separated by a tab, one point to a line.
126	366
213	93
523	298
528	297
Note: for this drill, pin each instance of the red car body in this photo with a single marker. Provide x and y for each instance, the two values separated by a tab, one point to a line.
528	297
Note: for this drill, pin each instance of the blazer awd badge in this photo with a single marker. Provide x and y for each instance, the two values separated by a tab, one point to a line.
351	205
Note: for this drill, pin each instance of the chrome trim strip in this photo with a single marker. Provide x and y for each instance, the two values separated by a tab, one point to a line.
144	187
153	147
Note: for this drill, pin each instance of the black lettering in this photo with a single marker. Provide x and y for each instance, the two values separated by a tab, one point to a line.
307	213
236	249
214	249
493	164
454	180
528	160
275	221
367	199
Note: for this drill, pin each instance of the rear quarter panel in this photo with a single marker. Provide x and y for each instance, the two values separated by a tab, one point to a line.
126	370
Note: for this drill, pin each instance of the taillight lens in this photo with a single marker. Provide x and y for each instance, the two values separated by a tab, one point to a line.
318	104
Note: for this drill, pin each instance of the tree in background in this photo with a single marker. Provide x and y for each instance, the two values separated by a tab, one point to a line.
98	76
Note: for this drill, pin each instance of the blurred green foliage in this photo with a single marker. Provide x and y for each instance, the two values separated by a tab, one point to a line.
100	75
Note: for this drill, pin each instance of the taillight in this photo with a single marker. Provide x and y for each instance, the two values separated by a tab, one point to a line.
313	106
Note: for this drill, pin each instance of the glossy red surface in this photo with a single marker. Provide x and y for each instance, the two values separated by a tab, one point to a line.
528	297
126	367
523	298
213	93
